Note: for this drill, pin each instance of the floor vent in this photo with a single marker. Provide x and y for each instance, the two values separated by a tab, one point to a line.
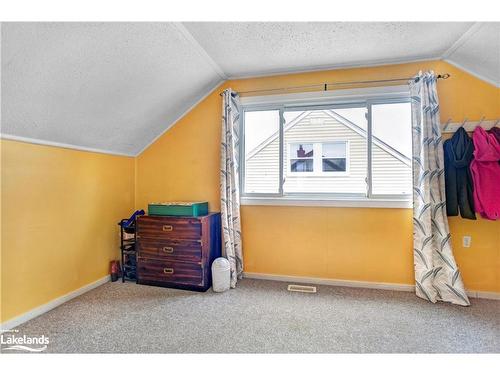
302	288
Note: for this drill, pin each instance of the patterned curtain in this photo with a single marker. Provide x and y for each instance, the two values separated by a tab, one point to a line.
437	277
229	185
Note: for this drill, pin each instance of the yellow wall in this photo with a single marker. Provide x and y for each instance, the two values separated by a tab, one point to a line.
60	207
59	213
340	243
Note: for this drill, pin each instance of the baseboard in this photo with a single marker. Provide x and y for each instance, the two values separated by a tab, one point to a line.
37	311
484	295
333	282
20	319
356	284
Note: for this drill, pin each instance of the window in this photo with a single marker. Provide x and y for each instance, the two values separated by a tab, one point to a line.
329	157
334	157
261	152
301	157
391	128
326	149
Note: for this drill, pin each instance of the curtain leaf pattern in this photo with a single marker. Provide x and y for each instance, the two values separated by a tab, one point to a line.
437	277
229	185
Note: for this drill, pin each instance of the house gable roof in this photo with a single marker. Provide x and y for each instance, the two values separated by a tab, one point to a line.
273	136
342	120
377	141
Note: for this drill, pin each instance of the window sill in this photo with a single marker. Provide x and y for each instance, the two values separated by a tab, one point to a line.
325	202
296	175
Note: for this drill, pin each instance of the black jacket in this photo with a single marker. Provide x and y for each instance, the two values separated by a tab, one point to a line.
458	153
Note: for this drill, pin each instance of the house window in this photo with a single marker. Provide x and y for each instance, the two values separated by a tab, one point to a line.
334	157
358	149
330	157
301	157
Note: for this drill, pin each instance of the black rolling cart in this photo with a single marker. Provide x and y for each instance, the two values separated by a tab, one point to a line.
128	251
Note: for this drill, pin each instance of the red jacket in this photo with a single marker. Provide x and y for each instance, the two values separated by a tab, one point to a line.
485	171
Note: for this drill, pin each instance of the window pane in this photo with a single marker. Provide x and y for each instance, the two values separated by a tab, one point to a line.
261	152
334	150
391	149
324	133
301	150
334	165
301	165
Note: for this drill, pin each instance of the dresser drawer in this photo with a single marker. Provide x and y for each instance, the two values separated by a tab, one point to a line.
168	228
169	272
177	252
183	250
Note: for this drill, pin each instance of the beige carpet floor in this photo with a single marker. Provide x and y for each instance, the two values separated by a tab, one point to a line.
263	317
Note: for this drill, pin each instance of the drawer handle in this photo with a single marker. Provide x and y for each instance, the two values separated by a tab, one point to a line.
168	271
168	228
168	250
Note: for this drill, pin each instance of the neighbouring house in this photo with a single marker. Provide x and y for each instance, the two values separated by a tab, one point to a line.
324	152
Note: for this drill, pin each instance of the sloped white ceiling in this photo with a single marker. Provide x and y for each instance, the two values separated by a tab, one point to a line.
247	49
478	52
115	87
105	86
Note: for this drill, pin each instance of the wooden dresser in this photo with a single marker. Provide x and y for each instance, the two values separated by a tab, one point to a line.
177	252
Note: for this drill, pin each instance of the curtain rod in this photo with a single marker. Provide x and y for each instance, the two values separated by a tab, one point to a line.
325	85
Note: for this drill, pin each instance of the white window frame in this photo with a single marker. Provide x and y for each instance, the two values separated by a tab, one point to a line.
289	171
318	159
365	97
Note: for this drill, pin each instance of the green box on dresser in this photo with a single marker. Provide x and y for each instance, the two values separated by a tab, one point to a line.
177	252
178	209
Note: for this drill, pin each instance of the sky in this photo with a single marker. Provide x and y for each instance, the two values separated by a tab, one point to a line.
259	126
391	123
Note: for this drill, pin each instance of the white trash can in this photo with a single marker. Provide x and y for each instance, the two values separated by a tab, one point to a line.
221	275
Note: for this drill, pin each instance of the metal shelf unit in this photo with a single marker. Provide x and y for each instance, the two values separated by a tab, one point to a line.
128	252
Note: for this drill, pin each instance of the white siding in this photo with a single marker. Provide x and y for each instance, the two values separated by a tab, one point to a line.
309	130
390	175
262	170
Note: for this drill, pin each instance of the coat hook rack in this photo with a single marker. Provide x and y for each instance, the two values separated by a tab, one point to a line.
447	124
451	127
480	121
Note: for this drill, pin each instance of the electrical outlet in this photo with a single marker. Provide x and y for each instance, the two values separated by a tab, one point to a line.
466	240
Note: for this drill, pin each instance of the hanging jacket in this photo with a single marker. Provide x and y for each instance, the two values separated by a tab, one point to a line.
458	154
496	132
486	174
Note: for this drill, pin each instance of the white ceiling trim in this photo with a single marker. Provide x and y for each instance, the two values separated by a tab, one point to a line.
365	64
201	51
460	41
181	116
42	142
472	73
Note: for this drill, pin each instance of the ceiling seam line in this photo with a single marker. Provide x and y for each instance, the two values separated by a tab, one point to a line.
462	39
200	50
68	146
180	117
474	74
336	67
